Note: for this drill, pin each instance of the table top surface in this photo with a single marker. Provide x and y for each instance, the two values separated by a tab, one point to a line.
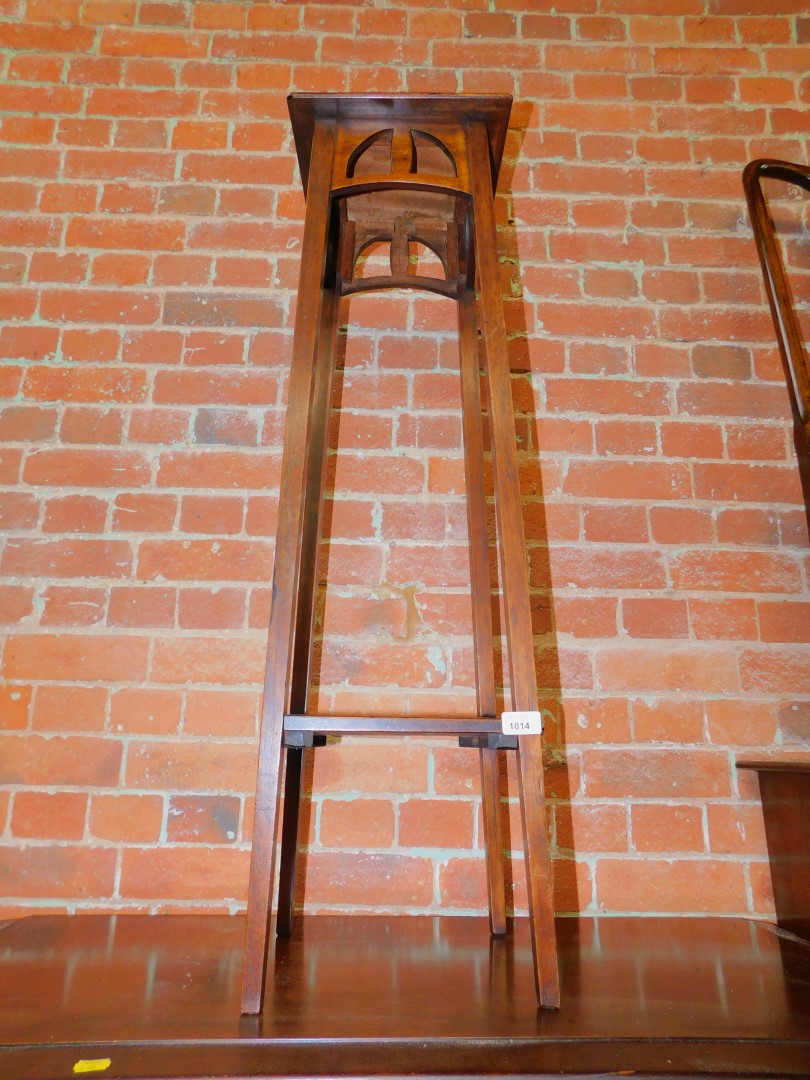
401	994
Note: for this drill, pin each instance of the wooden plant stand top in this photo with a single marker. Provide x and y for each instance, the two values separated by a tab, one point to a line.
401	170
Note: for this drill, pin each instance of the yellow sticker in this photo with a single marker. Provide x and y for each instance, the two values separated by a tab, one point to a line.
88	1065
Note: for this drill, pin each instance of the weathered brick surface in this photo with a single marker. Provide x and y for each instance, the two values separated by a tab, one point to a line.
150	230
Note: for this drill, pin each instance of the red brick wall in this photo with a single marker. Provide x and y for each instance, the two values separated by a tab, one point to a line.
151	224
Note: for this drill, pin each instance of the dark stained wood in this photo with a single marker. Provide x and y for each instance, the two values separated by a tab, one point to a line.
777	287
393	725
424	110
514	573
785	791
473	437
775	765
300	674
357	996
441	155
298	442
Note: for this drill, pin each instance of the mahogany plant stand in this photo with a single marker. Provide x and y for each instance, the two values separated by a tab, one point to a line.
398	170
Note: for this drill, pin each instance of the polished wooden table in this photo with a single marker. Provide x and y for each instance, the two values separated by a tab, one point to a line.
356	996
784	787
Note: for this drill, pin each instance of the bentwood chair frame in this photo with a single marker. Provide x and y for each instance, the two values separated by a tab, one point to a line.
780	298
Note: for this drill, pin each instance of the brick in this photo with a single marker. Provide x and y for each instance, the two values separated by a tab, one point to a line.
84	424
203	819
86	468
69	708
670	886
784	621
119	164
644	617
42	815
219	16
211	514
748	526
243	272
400	665
72	761
658	480
211	388
692	440
765	443
389	475
194	873
17	304
657	828
597	720
668	721
142	43
15	707
58	657
356	823
190	765
727	482
370	879
161	235
736	830
16	603
604	568
68	605
723	620
652	669
208	660
144	512
732	571
370	769
18	510
205	609
55	871
653	773
67	558
204	560
220	309
138	606
86	384
223	469
436	823
10	462
126	819
224	168
617	524
462	884
775	671
90	346
145	711
212	347
751	723
224	713
159	426
152	347
600	827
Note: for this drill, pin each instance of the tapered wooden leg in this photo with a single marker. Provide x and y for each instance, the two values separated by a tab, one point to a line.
286	571
320	414
290	825
522	675
481	601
